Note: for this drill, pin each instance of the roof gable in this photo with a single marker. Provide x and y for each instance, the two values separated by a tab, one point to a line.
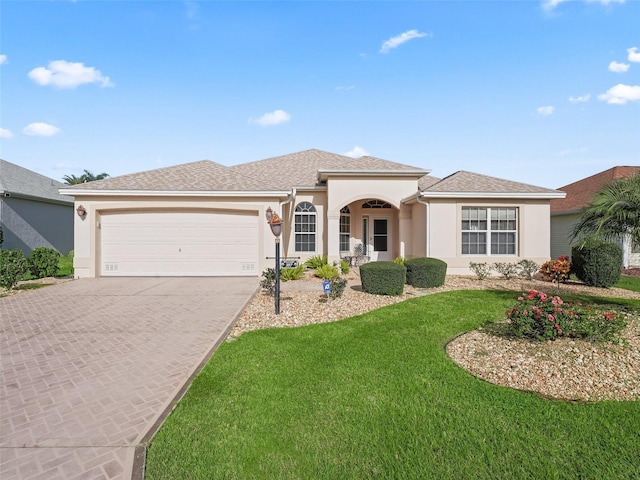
469	183
301	169
20	181
581	193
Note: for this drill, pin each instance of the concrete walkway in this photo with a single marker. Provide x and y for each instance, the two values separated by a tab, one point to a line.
89	368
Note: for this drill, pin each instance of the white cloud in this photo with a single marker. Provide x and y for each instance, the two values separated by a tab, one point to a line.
40	129
4	133
3	59
398	40
618	67
269	119
580	99
347	87
621	94
633	56
63	74
545	111
551	4
357	152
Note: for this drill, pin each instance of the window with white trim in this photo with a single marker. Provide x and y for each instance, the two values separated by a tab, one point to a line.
496	226
305	227
345	229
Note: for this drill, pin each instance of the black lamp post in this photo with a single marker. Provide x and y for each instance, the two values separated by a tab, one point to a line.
275	222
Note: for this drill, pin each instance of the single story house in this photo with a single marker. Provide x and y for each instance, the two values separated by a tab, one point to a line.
32	211
565	212
204	218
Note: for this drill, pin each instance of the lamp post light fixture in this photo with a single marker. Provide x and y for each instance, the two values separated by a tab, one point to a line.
275	223
81	211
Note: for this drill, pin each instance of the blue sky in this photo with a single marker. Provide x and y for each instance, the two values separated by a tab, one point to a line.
543	92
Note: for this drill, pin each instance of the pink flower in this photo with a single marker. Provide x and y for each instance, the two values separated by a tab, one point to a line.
551	318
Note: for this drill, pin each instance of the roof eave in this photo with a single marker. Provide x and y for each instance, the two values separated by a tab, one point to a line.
176	193
323	174
518	195
24	196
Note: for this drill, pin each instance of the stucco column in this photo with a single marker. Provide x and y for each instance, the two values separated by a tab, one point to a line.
333	237
404	231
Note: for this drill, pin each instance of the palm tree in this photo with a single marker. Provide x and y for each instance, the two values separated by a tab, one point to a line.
90	177
87	176
614	212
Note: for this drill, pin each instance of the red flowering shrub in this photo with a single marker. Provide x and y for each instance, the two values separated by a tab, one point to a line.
558	270
539	316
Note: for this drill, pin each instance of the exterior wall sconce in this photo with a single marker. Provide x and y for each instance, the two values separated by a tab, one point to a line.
81	211
275	223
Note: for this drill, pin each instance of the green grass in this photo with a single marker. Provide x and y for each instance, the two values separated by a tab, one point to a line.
375	396
65	268
65	265
629	283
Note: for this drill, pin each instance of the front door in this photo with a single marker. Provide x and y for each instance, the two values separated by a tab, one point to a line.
380	240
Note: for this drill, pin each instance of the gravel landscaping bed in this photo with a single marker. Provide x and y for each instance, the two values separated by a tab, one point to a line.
566	369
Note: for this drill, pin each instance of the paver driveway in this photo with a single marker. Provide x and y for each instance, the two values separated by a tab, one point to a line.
87	367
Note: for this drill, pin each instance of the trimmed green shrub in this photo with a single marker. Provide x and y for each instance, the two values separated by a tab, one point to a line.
13	266
506	269
597	263
383	278
43	262
294	273
425	272
316	261
338	284
326	272
528	268
482	270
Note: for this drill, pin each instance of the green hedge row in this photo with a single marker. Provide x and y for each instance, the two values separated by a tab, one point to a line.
383	278
425	272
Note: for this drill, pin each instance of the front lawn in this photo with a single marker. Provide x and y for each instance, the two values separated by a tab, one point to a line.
629	283
375	396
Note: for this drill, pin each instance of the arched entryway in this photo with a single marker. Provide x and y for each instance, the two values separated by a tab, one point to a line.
372	224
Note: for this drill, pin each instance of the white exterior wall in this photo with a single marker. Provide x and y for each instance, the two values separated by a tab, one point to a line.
319	201
446	236
346	190
87	230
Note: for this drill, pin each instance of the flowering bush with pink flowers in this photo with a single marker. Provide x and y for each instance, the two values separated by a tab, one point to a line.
540	316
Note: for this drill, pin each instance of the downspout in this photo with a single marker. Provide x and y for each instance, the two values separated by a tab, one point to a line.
427	230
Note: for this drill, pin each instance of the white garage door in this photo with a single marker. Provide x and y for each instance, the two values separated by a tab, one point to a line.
179	243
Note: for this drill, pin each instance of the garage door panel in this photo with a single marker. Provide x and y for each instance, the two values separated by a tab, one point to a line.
179	244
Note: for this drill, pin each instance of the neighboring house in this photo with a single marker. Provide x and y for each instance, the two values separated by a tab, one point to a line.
565	212
32	211
203	218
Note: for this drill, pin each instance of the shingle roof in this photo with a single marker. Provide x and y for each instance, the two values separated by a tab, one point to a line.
19	181
427	181
195	176
580	193
272	174
469	182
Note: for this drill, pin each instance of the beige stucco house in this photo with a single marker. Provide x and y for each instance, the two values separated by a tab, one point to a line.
204	218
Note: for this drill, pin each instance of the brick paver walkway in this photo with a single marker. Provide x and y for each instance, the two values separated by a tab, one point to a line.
87	367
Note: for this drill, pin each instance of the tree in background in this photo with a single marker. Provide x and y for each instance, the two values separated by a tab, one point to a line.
86	177
614	212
